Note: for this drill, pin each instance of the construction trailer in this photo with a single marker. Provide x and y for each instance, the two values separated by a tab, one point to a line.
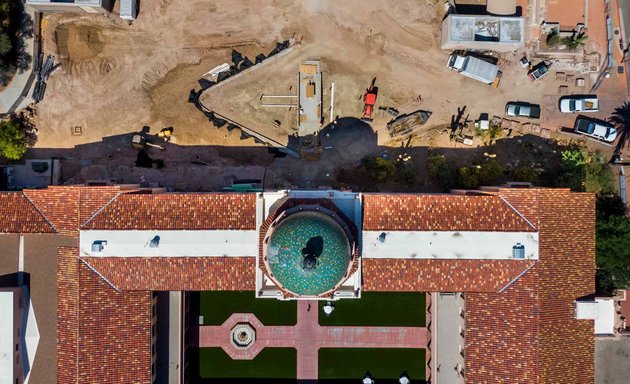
483	33
78	6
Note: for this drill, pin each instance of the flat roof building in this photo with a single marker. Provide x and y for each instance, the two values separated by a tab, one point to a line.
87	6
489	33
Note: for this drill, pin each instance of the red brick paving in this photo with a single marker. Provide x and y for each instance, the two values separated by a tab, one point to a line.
307	337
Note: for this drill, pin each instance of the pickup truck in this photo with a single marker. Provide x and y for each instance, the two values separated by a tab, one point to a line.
596	129
474	68
539	71
522	109
578	103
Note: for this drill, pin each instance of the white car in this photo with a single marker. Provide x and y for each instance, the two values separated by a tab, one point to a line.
577	103
596	129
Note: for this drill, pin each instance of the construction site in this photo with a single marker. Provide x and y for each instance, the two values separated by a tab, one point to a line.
321	81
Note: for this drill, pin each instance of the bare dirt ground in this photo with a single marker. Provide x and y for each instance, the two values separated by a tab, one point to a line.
117	77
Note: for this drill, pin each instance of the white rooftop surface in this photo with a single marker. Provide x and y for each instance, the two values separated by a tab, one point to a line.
602	310
464	28
6	338
172	243
448	245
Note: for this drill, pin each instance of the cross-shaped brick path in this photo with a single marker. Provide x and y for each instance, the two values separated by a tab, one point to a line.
307	336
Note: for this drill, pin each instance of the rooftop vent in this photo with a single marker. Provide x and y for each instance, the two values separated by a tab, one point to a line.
154	242
382	237
98	245
518	251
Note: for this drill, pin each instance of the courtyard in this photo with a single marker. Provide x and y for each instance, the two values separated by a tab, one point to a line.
382	334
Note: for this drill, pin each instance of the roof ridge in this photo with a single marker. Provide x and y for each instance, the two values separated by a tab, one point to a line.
99	274
39	211
517	212
518	276
101	208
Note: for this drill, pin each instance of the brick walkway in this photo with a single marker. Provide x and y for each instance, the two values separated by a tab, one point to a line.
307	337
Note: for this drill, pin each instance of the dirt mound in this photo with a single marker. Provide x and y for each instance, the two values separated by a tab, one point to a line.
77	43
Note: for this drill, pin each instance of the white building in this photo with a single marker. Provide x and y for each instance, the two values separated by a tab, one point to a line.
87	6
481	32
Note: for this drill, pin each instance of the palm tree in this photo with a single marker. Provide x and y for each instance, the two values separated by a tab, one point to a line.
621	119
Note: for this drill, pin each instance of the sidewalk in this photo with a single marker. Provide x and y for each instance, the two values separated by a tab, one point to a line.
17	95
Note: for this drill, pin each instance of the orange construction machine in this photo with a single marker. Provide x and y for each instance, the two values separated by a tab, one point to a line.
369	100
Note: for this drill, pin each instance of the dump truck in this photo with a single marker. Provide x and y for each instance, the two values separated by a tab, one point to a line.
474	67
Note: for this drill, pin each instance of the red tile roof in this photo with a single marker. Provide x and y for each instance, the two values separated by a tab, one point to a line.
401	212
567	255
441	275
177	273
528	333
114	332
502	334
19	215
178	211
103	336
67	207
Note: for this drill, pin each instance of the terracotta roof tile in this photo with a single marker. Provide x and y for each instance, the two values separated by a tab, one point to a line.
103	336
114	332
502	334
178	211
528	333
401	212
19	215
441	275
67	207
177	273
567	253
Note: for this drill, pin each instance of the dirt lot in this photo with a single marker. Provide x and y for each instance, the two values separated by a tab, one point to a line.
117	78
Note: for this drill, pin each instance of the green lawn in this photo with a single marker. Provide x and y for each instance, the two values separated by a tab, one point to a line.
393	309
271	363
382	364
217	306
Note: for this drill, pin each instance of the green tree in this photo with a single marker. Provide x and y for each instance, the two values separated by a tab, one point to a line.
490	172
442	173
378	168
575	40
525	174
621	119
13	140
468	177
599	177
613	237
5	43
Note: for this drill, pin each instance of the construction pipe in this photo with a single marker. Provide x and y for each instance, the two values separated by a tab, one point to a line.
280	105
279	96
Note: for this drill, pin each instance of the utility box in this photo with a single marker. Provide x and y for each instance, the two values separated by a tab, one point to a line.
128	9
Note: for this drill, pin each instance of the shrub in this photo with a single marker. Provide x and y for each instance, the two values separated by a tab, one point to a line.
468	177
442	173
525	174
490	172
378	168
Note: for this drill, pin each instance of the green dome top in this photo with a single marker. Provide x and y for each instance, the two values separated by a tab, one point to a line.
308	253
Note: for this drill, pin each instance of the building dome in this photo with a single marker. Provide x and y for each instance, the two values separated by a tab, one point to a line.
308	253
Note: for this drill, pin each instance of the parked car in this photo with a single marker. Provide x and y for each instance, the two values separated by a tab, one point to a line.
596	129
539	71
578	103
522	109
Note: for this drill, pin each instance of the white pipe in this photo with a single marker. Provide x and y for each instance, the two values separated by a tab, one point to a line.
332	102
